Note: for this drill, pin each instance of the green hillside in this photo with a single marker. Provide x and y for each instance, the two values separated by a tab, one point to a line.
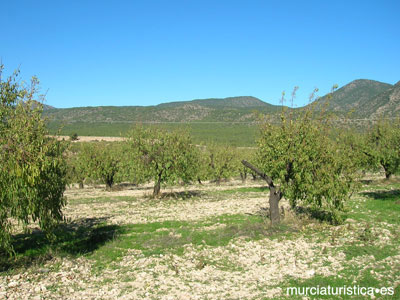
355	99
234	109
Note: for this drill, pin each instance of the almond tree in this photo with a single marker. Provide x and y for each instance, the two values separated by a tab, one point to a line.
163	156
383	146
32	168
221	162
300	162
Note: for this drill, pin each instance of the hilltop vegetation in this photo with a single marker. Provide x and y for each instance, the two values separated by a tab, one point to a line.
356	97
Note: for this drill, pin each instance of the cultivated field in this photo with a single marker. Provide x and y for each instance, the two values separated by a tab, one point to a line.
204	242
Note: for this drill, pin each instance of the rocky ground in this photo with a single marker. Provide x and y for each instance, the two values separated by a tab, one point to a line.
191	262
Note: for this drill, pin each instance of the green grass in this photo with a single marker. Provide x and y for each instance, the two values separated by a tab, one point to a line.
170	237
70	239
378	252
378	204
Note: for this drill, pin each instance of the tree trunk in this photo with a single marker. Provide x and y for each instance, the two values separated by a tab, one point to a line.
109	182
274	197
199	181
81	185
157	188
274	194
388	174
243	176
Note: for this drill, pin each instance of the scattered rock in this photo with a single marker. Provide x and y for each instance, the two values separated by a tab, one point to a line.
351	221
13	284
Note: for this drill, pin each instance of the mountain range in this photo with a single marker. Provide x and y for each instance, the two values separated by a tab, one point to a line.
360	99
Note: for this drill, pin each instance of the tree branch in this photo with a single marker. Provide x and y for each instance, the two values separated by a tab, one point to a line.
259	173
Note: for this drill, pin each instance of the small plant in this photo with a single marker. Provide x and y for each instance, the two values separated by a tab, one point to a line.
366	235
73	137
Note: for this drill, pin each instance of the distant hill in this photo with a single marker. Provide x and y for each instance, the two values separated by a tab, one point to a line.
233	109
360	99
356	99
387	103
231	102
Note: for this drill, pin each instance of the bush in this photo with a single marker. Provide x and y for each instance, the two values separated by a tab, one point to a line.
73	137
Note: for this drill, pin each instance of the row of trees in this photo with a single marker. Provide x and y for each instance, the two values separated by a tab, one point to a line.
302	159
153	154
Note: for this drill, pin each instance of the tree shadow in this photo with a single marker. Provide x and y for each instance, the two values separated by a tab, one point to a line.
181	195
316	213
74	238
366	181
383	195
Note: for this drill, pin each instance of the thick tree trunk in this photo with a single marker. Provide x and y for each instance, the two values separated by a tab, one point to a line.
109	185
274	194
157	186
109	182
274	197
388	174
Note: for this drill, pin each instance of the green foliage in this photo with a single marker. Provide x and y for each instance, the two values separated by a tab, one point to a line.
247	154
383	145
73	136
77	164
100	162
220	161
356	143
163	156
32	168
310	168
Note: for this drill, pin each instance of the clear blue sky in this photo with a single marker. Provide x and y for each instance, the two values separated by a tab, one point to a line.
89	53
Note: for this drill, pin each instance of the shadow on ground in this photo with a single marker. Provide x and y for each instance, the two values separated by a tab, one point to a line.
181	195
75	238
384	195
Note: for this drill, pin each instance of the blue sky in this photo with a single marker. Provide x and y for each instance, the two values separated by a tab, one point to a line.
89	53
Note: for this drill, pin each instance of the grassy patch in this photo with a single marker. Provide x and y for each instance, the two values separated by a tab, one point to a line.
378	252
378	205
72	239
171	236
